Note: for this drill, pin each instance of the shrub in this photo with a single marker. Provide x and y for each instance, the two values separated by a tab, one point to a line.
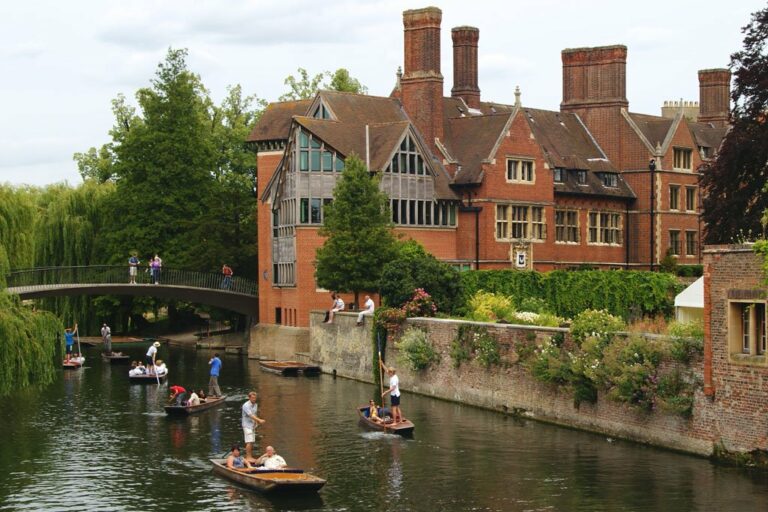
487	350
474	340
534	305
675	393
421	304
551	363
543	319
415	350
668	263
629	370
687	340
489	307
595	323
389	319
690	270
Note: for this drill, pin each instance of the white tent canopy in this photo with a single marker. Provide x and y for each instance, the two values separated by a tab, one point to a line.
689	304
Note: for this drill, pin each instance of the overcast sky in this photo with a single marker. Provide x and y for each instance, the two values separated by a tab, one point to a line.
62	62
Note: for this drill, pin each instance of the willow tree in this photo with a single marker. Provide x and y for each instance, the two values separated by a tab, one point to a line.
359	233
17	225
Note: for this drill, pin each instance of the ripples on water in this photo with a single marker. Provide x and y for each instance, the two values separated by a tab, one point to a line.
91	441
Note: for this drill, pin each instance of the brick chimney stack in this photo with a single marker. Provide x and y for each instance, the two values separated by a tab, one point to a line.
465	65
422	83
714	96
595	88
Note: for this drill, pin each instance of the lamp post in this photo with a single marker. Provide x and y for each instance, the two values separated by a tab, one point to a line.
652	168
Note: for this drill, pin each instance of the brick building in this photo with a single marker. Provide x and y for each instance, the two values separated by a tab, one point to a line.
483	184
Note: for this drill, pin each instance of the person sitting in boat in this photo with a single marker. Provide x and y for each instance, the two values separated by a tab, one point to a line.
373	412
178	395
193	398
139	369
237	462
201	395
160	368
271	460
78	358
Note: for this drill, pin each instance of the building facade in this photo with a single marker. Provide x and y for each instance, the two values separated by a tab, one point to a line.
482	184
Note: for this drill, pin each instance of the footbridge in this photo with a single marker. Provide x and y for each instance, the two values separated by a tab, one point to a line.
237	294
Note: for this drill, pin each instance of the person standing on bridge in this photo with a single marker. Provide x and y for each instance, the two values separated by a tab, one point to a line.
157	265
133	268
227	281
213	383
106	336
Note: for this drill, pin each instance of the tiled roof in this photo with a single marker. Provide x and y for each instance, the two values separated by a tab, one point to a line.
653	128
593	186
275	122
708	136
470	141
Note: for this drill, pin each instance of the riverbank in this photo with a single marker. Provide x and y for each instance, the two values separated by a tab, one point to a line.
345	350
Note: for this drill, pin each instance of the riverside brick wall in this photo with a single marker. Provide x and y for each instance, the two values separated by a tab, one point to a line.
345	350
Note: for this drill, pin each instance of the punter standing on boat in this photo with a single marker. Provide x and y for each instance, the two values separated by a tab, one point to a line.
106	336
151	357
250	421
394	393
213	383
69	340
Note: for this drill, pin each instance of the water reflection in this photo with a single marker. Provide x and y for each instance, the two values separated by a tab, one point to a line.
92	441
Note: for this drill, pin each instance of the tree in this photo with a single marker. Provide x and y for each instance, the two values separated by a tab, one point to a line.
359	233
414	268
304	87
736	181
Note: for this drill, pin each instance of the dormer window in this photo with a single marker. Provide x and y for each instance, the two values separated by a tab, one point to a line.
407	160
558	175
321	112
609	179
581	177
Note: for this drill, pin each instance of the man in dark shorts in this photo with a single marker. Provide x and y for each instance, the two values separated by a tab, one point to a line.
394	393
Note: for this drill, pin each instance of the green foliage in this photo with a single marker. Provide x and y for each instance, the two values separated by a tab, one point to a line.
414	268
415	350
629	369
359	235
591	323
304	87
421	304
668	263
534	305
528	318
687	340
552	364
675	393
473	340
489	307
690	270
567	293
28	347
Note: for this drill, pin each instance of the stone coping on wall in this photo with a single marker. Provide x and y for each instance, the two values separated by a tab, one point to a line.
728	248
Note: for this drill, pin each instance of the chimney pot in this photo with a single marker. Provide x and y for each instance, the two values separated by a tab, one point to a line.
465	65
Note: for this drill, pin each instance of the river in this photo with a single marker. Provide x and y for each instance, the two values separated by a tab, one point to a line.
92	441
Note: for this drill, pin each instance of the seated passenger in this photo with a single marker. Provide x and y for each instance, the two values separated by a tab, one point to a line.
160	367
201	394
193	399
237	462
271	460
373	412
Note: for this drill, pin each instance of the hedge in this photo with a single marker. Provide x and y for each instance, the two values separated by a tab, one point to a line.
620	292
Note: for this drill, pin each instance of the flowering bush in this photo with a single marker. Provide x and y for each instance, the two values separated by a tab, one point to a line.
597	324
415	350
421	304
475	340
530	318
389	319
687	340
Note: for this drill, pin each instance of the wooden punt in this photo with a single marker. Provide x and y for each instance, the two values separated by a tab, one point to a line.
71	365
404	428
289	368
185	410
115	358
279	481
147	379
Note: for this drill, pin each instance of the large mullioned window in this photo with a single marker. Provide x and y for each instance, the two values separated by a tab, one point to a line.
514	221
314	156
567	226
605	228
407	160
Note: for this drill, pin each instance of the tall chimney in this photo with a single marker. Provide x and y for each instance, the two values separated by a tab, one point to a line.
422	83
714	96
594	77
465	65
595	88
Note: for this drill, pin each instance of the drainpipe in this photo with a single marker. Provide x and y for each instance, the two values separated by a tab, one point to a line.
476	210
652	168
626	238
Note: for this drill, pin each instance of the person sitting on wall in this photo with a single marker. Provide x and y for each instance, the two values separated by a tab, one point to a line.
338	305
367	311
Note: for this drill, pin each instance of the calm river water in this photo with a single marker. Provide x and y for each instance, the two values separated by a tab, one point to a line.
92	441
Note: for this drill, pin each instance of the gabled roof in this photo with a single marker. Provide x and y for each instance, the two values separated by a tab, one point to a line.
275	122
706	135
471	140
566	142
653	128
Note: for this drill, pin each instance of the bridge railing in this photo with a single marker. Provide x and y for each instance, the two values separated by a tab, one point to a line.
118	274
